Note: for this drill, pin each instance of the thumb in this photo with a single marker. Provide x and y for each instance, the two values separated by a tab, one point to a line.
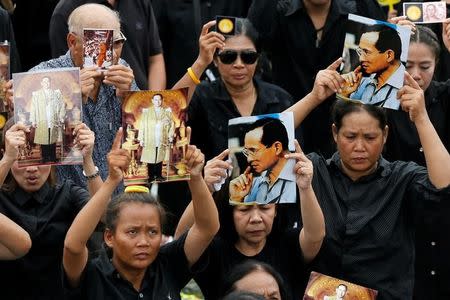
188	134
335	64
222	155
248	170
117	139
358	69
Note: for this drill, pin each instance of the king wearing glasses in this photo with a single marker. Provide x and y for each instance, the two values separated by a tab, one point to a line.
269	178
380	73
236	93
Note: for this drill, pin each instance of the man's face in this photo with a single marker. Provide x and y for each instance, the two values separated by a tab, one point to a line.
157	100
259	156
45	83
372	60
341	291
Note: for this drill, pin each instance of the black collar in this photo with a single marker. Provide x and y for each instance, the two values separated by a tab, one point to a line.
224	95
22	197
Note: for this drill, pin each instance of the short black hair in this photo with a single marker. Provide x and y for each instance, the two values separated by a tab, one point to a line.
242	295
341	108
388	39
273	131
426	36
245	27
241	270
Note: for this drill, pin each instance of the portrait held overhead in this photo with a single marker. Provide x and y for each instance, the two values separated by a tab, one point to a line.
258	147
46	103
156	136
374	56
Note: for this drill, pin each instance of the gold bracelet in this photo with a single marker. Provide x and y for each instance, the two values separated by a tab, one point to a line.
193	76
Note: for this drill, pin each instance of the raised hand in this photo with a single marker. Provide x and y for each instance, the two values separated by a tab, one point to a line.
303	169
412	99
88	76
84	139
403	21
195	160
216	170
14	139
328	81
209	41
241	185
118	159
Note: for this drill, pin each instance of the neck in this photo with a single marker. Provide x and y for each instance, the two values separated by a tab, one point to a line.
276	170
250	249
244	97
134	276
384	76
317	10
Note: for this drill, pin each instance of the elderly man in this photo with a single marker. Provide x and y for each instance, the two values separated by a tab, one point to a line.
101	90
380	73
265	145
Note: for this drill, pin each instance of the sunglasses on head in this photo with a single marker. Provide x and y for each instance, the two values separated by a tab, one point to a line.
248	57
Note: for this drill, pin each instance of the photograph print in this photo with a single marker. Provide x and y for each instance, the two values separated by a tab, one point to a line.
375	54
98	47
154	124
49	104
323	287
261	174
426	12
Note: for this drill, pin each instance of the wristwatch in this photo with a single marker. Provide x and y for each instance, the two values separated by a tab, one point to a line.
92	176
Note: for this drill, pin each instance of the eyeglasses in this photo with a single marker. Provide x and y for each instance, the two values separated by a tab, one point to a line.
252	152
248	57
364	52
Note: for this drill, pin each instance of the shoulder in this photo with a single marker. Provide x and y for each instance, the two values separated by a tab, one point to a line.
60	62
272	91
205	88
72	192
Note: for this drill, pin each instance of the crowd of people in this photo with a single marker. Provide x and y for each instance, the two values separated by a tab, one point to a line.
372	184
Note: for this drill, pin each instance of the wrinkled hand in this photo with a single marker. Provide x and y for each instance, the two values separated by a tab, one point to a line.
412	99
328	81
84	139
403	21
119	76
118	159
14	139
241	185
209	41
446	33
216	170
88	76
303	169
352	81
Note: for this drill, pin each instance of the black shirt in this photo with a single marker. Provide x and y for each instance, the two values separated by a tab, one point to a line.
211	107
297	55
164	278
180	23
370	223
137	23
46	215
282	253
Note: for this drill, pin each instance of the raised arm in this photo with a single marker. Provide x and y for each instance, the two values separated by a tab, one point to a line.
436	155
14	241
313	231
327	83
209	41
75	252
14	138
206	217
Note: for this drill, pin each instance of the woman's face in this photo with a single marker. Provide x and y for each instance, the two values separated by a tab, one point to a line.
421	64
253	223
31	178
237	74
137	237
360	141
259	282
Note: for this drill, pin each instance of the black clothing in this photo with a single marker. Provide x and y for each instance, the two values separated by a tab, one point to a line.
46	215
164	279
179	31
137	23
211	107
432	265
283	253
7	33
370	223
297	55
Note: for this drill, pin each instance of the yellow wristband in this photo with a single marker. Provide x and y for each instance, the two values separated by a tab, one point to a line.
136	189
193	76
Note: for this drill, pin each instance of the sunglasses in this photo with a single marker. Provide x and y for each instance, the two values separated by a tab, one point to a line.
248	57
